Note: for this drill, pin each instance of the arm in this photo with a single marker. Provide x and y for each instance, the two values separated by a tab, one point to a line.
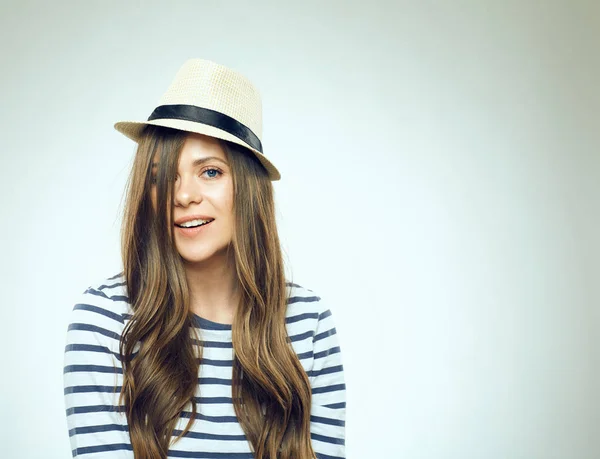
328	410
91	371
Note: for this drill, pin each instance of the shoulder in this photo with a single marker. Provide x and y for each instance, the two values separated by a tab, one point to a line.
302	301
103	307
305	308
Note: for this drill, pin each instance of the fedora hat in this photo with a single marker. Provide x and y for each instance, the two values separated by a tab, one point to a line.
211	99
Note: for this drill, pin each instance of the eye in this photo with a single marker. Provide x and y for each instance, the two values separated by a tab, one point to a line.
213	172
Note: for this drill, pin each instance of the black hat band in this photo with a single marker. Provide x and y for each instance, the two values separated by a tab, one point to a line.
209	117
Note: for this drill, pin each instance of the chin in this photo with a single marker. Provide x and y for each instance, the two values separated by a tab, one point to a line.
195	256
200	255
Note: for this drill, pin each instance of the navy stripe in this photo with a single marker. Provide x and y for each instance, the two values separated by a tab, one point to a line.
216	363
116	275
204	417
299	317
219	381
83	389
213	344
301	336
211	326
176	432
93	328
100	428
102	448
326	439
229	344
322	390
333	350
325	334
95	348
190	434
210	455
207	400
209	436
118	284
95	409
325	371
117	389
93	368
201	322
213	400
91	348
104	312
331	422
291	284
336	406
325	314
302	299
305	355
113	408
93	291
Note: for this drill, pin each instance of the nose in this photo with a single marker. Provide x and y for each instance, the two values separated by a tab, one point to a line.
187	191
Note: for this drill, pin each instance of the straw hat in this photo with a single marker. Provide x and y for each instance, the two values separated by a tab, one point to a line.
211	99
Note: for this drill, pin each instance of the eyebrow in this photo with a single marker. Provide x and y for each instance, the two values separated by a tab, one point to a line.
200	161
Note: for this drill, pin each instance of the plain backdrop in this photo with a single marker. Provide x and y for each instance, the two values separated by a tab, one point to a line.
440	190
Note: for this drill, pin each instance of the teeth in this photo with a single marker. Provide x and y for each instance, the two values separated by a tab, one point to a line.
194	223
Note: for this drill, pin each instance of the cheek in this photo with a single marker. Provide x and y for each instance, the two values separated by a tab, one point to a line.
222	198
229	198
228	208
229	205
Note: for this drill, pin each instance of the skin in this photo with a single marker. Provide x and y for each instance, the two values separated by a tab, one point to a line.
206	189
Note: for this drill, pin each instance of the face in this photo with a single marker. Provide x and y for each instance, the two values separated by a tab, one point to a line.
203	189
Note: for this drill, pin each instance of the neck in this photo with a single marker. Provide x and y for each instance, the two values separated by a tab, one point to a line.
214	290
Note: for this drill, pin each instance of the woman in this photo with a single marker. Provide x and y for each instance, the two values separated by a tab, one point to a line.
201	347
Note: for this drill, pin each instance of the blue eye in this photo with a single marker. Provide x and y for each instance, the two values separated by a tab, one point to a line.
212	169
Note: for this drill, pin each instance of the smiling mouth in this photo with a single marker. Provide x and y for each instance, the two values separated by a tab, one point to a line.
195	226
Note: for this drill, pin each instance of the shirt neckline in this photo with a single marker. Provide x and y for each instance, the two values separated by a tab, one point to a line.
207	324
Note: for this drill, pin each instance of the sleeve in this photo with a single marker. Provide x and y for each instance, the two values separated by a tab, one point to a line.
92	379
328	409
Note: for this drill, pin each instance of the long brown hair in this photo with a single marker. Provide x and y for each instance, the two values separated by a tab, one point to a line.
270	390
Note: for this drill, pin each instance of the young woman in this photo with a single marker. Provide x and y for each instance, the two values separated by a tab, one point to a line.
200	347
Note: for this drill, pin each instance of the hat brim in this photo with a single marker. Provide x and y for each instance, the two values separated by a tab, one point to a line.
133	130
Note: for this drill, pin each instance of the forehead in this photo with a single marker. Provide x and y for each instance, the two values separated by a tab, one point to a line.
198	149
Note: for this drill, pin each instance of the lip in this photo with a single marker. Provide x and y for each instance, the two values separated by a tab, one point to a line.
192	232
192	217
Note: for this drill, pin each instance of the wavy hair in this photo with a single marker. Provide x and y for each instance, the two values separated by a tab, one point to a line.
160	348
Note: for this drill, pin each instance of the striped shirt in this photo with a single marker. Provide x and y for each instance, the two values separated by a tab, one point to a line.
92	368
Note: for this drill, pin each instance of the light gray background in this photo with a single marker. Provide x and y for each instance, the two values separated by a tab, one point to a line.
440	190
